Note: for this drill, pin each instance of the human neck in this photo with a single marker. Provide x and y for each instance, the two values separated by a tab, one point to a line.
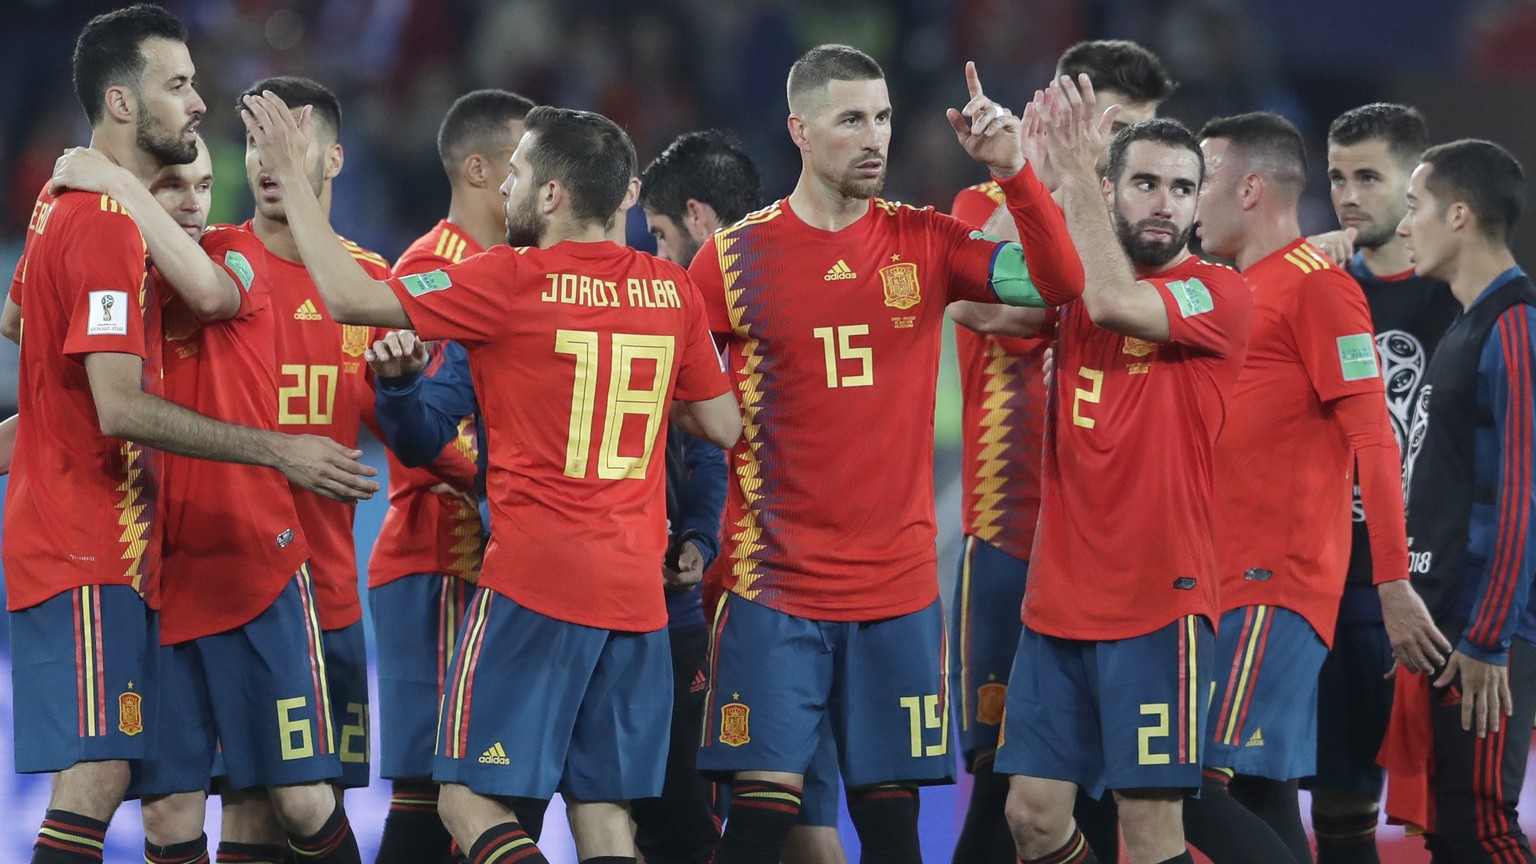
277	236
576	232
1388	259
1266	234
1475	268
820	206
1143	272
476	220
119	147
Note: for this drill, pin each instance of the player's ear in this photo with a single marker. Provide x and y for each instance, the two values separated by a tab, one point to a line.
474	170
1250	190
120	104
550	197
1109	192
699	219
797	126
334	159
1458	216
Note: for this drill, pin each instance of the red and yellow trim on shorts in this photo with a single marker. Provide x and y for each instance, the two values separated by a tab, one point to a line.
1243	679
90	670
326	741
461	697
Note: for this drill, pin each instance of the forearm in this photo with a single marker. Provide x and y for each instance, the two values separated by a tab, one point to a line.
993	319
202	284
1112	296
163	425
1368	428
351	295
1052	262
10	321
414	429
7	442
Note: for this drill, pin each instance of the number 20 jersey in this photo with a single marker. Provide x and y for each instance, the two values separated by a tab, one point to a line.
1125	543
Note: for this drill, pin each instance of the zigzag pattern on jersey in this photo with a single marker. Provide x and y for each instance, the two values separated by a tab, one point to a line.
466	529
137	511
743	274
999	438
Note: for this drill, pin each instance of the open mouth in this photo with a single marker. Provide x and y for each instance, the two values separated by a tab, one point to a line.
269	189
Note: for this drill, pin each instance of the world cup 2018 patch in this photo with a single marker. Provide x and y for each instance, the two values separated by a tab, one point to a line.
241	267
1357	357
1192	296
426	283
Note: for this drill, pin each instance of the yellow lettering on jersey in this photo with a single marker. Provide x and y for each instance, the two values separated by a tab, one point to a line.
637	296
554	288
576	289
40	214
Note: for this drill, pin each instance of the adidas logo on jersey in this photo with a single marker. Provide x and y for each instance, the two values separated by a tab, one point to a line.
496	755
307	312
699	683
1256	739
840	270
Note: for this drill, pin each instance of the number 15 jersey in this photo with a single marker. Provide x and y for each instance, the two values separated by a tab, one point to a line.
576	352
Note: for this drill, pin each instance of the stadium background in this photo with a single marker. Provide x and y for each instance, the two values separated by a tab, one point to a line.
662	67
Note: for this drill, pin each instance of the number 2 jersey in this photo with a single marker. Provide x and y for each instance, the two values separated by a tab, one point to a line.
1125	543
323	388
576	352
834	341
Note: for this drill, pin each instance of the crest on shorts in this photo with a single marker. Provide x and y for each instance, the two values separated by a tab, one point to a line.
990	699
354	340
1137	347
900	283
130	720
733	724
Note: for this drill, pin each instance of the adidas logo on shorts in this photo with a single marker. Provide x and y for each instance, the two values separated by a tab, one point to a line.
307	312
699	682
496	755
840	270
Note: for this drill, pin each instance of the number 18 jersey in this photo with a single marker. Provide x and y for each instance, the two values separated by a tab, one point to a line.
576	352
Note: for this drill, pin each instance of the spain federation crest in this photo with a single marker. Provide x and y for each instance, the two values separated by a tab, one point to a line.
354	340
130	719
733	724
1137	347
990	699
901	288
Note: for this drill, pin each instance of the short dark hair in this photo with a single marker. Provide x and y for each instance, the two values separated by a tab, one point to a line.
1402	127
110	51
476	122
1268	138
297	92
1120	65
587	153
1159	130
1484	176
707	166
830	62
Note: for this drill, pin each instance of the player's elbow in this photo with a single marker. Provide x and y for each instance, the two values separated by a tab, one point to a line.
217	305
114	414
11	329
716	420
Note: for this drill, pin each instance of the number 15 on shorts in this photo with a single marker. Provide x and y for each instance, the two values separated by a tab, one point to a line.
928	720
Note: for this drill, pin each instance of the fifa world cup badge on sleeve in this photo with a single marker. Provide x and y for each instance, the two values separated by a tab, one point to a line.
733	723
102	320
900	283
130	719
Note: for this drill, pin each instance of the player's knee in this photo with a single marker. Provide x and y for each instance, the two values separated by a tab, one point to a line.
171	819
1034	819
303	809
93	789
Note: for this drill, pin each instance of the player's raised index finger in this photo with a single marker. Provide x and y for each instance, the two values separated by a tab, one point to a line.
972	80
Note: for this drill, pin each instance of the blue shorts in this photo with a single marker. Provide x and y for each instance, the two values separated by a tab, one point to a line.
415	623
256	694
821	793
773	677
346	670
83	678
1127	714
984	631
536	705
1264	713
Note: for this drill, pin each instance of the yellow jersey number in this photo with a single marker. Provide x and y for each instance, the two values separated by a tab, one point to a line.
1090	394
313	388
924	714
1158	711
836	347
624	400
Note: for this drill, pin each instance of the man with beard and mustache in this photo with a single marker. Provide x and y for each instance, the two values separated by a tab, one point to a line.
1308	414
831	303
1372	151
326	388
579	347
1111	677
82	539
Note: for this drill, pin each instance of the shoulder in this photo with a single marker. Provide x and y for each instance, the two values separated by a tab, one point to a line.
372	261
751	223
99	211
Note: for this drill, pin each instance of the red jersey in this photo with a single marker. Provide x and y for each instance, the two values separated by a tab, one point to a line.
1125	544
1285	468
227	556
834	341
576	352
323	388
425	531
80	507
1002	419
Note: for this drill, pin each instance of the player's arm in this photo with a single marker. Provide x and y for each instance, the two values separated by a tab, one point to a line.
351	295
10	320
126	411
207	288
1504	585
997	319
419	414
716	420
7	442
703	496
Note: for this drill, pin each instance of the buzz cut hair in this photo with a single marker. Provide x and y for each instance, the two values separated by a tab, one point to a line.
477	123
1119	65
1482	175
1267	143
588	154
827	63
1402	127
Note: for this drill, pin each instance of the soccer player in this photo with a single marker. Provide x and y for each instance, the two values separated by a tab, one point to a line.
233	653
1110	682
1371	152
1307	414
832	609
427	557
1470	511
577	346
323	387
1002	388
82	544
